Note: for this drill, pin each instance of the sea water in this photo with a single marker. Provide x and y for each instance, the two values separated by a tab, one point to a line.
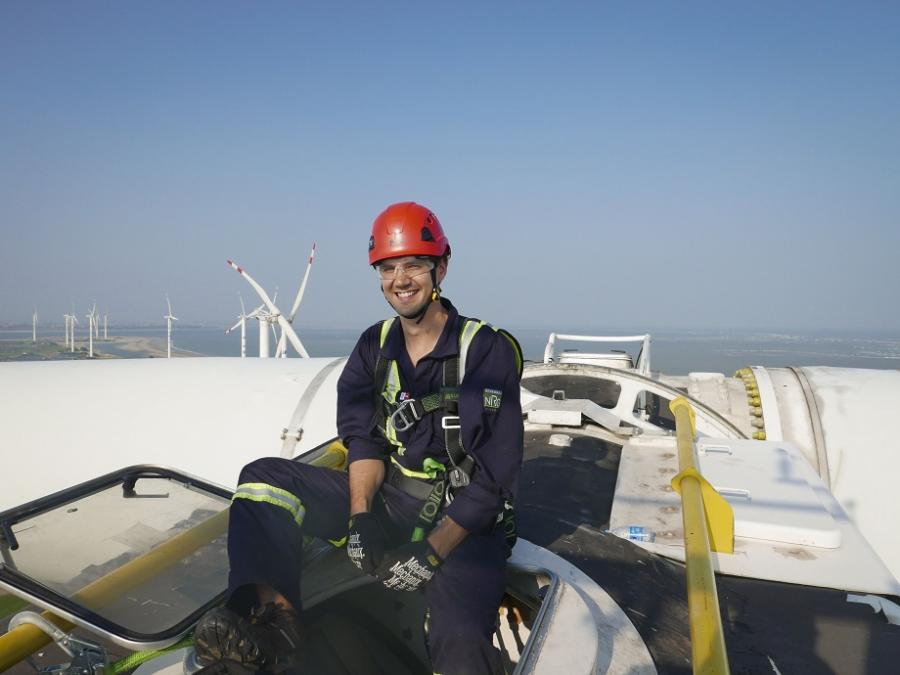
674	353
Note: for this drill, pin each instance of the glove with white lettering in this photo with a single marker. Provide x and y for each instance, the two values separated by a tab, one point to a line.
365	542
408	567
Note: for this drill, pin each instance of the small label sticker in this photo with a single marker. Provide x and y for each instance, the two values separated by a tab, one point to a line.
492	399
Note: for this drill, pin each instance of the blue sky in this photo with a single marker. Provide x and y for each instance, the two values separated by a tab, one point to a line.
586	159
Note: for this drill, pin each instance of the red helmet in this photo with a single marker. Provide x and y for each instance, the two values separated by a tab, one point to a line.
405	229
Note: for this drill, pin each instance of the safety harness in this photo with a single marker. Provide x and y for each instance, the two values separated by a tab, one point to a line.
436	482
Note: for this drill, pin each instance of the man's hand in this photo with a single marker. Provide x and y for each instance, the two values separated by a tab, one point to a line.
365	542
408	567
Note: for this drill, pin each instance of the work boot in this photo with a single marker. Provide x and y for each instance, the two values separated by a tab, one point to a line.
266	640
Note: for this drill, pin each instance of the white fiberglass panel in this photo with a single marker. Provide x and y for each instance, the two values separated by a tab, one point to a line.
858	413
64	422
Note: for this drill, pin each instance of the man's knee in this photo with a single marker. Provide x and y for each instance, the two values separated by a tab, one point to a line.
269	470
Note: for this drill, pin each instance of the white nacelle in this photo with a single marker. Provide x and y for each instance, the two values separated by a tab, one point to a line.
843	419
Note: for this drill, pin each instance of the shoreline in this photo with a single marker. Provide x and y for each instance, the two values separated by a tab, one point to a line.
116	347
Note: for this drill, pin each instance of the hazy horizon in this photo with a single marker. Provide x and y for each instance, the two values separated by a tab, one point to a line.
587	160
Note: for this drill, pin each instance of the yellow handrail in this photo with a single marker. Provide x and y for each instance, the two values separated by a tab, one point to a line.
707	517
26	639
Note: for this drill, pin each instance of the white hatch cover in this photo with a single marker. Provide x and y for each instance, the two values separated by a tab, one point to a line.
774	493
788	525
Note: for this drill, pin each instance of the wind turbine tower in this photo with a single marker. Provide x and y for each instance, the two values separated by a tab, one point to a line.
71	320
169	319
34	326
105	325
90	318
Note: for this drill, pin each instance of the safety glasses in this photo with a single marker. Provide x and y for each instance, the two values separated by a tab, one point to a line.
389	270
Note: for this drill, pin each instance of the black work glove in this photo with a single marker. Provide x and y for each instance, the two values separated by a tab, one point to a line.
408	567
365	542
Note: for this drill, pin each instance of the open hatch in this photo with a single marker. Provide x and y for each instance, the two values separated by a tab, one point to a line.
135	556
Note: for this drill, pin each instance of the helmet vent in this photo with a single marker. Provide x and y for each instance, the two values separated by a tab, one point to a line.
371	243
426	234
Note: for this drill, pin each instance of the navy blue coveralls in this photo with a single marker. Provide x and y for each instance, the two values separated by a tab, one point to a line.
278	500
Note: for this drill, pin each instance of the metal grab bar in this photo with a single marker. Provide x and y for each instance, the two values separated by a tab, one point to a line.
643	362
707	518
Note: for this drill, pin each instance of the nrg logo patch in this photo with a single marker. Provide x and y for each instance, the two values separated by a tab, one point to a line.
492	399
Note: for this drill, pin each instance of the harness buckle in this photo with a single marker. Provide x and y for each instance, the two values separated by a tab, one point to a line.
406	414
458	477
450	422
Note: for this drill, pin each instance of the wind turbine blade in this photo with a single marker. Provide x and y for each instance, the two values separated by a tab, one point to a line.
299	298
288	330
256	287
168	304
255	313
243	311
233	327
282	345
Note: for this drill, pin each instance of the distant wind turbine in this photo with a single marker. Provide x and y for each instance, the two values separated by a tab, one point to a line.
281	349
34	326
105	325
273	315
169	319
242	322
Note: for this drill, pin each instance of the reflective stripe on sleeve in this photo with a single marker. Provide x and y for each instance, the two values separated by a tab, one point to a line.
263	492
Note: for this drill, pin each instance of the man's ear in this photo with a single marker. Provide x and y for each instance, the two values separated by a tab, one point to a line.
441	269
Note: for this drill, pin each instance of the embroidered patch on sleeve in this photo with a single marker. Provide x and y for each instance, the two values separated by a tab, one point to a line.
492	399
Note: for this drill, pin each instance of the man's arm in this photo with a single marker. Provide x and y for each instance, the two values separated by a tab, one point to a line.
366	476
446	537
491	419
355	414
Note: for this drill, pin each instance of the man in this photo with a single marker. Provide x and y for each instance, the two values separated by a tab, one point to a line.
428	408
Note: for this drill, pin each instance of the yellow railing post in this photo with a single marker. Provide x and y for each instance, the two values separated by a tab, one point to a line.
698	499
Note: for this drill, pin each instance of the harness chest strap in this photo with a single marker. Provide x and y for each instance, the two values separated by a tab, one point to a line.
392	417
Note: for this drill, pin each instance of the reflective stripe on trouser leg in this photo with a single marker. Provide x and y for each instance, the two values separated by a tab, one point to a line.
262	492
267	524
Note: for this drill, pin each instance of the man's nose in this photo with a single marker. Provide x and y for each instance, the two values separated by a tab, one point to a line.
400	271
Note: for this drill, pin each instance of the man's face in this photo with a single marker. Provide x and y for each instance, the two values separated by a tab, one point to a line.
406	283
